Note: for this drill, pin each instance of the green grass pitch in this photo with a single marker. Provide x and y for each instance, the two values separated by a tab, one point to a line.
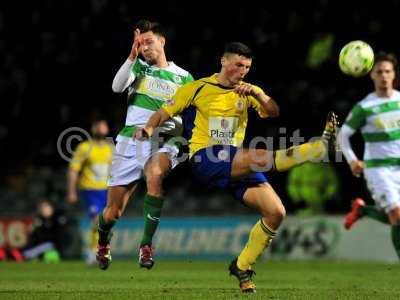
199	280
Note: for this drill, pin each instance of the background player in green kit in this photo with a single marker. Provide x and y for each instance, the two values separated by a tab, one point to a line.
377	116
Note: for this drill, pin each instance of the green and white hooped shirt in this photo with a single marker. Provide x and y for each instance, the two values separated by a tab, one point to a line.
148	88
379	122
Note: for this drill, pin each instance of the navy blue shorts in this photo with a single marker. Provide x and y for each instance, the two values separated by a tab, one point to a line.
95	201
212	166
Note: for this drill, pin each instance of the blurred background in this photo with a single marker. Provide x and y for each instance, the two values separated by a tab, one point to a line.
58	60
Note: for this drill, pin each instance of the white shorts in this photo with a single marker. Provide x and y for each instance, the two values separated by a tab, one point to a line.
130	157
384	185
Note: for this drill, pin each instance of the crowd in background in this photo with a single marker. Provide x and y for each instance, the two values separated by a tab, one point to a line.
58	59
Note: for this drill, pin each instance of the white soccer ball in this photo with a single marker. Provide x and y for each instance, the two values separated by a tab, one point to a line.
356	58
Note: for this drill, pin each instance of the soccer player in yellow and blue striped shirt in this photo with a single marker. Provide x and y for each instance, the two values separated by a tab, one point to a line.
215	120
88	172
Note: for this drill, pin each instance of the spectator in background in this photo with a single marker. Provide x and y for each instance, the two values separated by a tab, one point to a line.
88	171
46	238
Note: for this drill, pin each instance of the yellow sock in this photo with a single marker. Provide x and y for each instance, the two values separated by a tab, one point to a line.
296	155
259	239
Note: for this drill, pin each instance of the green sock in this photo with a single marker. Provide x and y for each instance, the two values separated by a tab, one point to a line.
104	229
374	213
151	211
396	238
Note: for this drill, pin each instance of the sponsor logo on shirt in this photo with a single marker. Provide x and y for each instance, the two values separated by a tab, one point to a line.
388	123
222	130
158	86
224	123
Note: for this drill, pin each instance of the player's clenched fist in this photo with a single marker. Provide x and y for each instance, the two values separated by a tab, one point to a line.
245	89
142	134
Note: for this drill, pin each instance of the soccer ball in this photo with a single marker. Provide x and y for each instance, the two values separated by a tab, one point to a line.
356	58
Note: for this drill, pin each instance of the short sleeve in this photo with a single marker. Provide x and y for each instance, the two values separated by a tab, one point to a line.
79	157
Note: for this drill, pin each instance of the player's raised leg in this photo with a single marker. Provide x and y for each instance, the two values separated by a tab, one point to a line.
117	199
156	169
315	151
247	161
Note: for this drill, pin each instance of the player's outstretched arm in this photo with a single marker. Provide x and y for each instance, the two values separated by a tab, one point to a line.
156	119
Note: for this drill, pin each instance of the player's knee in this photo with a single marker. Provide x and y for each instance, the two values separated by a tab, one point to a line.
394	216
118	213
112	213
279	213
275	215
154	177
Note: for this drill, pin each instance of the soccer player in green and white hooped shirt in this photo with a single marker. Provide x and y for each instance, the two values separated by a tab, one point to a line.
377	116
150	83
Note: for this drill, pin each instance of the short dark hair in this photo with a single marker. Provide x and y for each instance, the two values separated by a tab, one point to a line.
238	48
146	26
384	56
98	120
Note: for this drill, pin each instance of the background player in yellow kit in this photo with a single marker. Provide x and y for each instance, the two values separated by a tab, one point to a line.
88	172
215	119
